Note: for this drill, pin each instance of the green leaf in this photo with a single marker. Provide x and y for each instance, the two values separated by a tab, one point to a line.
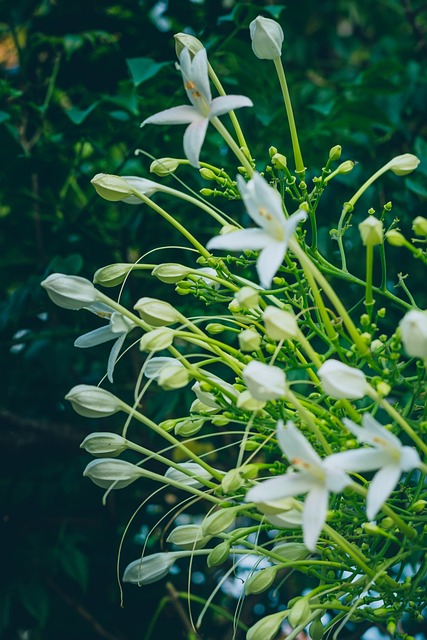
75	565
417	185
77	116
142	69
71	264
35	599
4	116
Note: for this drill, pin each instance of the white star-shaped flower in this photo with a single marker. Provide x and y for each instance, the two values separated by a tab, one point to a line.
196	83
265	207
315	477
388	455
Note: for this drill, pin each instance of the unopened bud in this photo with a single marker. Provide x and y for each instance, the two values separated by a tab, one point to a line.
247	297
219	554
93	402
192	478
157	312
70	292
112	274
299	612
346	167
247	402
188	428
173	377
104	444
117	188
111	473
188	536
279	161
371	231
290	551
149	569
404	164
267	38
170	272
267	628
232	481
335	153
395	238
260	580
185	40
157	340
164	166
249	340
219	521
419	226
279	324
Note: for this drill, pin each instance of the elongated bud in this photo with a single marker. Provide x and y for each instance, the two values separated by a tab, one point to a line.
173	377
267	38
122	188
395	238
157	312
190	479
157	340
346	167
249	340
341	381
149	569
189	427
164	166
247	297
93	402
232	481
111	473
188	536
404	164
419	226
316	630
413	329
219	521
371	231
70	292
185	40
335	153
299	612
290	551
247	402
267	628
104	444
260	580
264	382
279	324
170	272
112	274
218	555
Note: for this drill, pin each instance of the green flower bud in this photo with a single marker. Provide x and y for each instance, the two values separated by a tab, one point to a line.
247	297
214	328
260	580
157	340
111	473
232	481
164	166
335	152
279	324
267	628
418	506
218	555
149	569
267	38
207	174
316	630
117	188
279	161
187	428
183	40
157	312
371	231
219	521
173	377
249	340
192	478
419	226
290	551
170	272
188	536
112	274
272	151
404	164
299	612
93	402
395	238
70	292
247	402
346	167
104	444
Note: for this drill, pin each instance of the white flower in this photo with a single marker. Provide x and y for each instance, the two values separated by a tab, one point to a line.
371	231
267	38
196	83
387	454
315	476
264	205
279	324
341	381
413	329
117	329
264	381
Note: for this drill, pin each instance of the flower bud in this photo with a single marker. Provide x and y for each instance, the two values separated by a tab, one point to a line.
299	612
404	164
191	479
279	324
346	167
111	473
173	377
290	551
371	231
260	580
70	292
341	381
104	444
117	188
247	297
214	328
112	274
264	382
267	628
395	238
316	630
219	521
335	152
218	555
249	340
413	329
188	536
149	569
419	226
232	481
267	38
93	402
246	402
279	161
164	166
157	340
170	272
185	40
189	427
157	312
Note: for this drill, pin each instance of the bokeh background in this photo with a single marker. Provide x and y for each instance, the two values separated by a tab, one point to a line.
76	80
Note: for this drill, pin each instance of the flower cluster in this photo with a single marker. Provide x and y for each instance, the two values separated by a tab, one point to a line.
324	409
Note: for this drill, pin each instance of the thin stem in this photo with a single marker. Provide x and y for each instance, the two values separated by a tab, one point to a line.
232	144
369	300
299	164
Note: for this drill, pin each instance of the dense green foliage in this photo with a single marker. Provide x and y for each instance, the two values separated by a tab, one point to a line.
76	80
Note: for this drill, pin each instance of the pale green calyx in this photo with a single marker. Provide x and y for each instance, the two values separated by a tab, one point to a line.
195	472
395	238
260	580
267	38
170	272
335	152
164	166
247	297
267	628
157	313
264	382
219	521
404	164
109	473
185	40
219	554
371	231
174	376
93	402
104	444
299	612
112	274
70	292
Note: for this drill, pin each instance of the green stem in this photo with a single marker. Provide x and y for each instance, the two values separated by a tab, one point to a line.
369	300
308	420
198	203
299	164
232	144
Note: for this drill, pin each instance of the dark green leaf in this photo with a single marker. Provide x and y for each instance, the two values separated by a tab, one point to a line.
142	69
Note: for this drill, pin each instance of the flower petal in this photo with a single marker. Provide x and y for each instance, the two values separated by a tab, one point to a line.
295	446
314	515
410	459
194	137
224	104
269	261
154	366
380	488
264	205
241	240
363	459
376	431
95	337
290	484
176	115
195	75
114	354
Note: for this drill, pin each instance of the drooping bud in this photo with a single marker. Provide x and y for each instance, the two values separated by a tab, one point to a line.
263	381
173	377
111	473
267	628
395	238
112	274
249	340
299	613
70	292
404	164
188	536
195	470
279	324
122	188
341	381
419	226
218	555
157	340
185	40
371	231
260	580
219	521
93	402
290	551
104	444
164	166
170	272
189	427
149	569
157	312
267	38
413	329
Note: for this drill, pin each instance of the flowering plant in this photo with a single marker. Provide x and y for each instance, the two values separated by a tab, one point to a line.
321	403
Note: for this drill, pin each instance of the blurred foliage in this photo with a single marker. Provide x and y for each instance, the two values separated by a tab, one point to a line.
76	80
